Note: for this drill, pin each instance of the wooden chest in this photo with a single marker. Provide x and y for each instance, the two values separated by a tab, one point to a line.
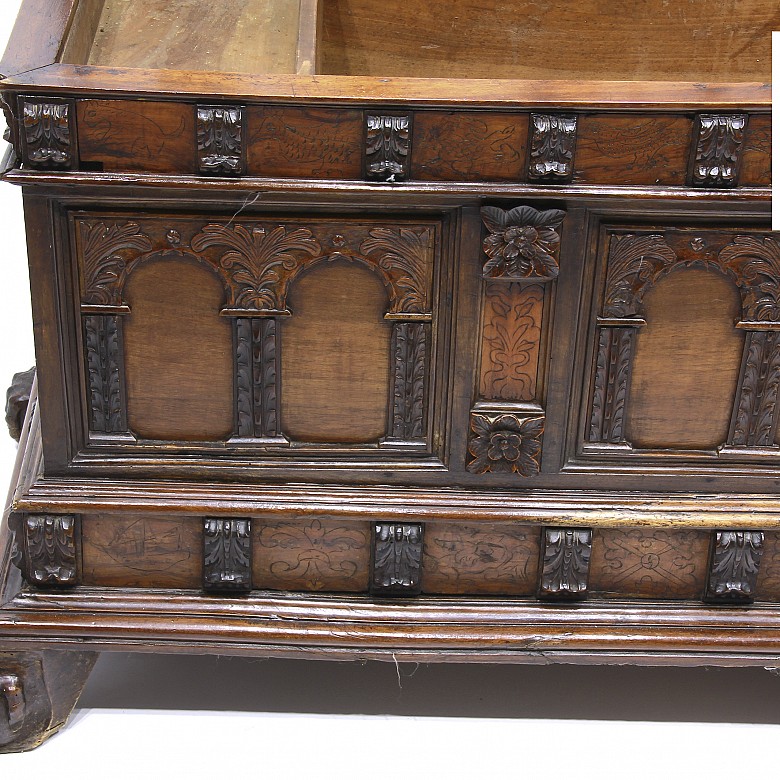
358	335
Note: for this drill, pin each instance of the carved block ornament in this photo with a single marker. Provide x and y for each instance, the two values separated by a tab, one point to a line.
505	444
565	563
736	556
49	549
396	559
551	147
388	145
47	135
227	554
220	142
522	243
718	146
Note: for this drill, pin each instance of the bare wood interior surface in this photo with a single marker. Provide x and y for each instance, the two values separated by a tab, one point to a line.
243	36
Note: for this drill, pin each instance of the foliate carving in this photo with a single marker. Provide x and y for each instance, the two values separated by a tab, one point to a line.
387	147
48	140
611	385
635	263
565	563
259	263
522	243
17	399
12	694
755	422
257	378
736	556
104	249
227	554
50	549
505	444
551	146
410	351
755	263
102	343
397	553
718	148
220	147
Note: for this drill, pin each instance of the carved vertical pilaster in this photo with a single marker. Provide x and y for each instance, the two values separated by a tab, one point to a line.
611	385
410	360
257	379
102	341
48	135
388	146
717	149
551	147
227	554
49	549
396	559
220	139
734	563
565	563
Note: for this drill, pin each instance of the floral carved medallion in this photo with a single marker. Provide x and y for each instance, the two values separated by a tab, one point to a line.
505	444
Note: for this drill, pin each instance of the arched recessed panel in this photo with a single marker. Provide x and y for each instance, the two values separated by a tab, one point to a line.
686	363
178	353
336	356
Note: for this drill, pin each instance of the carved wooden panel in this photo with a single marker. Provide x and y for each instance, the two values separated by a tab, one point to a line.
317	143
717	149
734	566
142	550
49	549
48	134
312	554
137	135
511	340
756	168
522	243
565	563
632	149
476	558
469	146
220	139
387	146
505	444
396	559
649	563
102	345
227	554
754	261
410	347
551	147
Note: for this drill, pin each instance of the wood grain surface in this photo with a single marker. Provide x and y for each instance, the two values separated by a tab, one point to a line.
756	167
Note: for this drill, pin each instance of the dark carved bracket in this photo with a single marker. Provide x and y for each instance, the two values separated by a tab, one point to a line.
551	144
388	147
48	135
227	554
505	444
49	549
565	563
396	559
734	564
103	348
718	141
16	401
522	243
12	694
410	367
220	145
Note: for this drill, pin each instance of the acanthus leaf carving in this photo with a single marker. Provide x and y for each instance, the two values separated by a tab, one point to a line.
611	385
48	139
397	559
50	549
410	368
505	444
220	147
566	563
553	137
736	556
755	263
388	141
227	554
522	243
718	148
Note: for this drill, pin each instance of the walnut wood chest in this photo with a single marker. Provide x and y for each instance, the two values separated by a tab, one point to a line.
362	337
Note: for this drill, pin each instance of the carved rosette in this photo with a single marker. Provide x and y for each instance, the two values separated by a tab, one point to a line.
505	444
734	564
718	147
47	133
522	243
49	549
388	146
396	559
551	144
220	145
227	554
565	563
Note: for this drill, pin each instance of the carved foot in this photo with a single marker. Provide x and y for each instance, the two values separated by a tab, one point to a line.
16	400
38	690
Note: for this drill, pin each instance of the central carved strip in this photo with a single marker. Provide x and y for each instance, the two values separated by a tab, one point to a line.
227	554
396	559
611	385
50	549
388	141
736	556
552	141
102	340
410	360
565	563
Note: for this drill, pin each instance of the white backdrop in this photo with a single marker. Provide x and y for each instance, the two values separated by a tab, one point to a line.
165	716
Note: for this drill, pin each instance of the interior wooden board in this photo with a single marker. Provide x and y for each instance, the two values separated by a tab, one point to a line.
244	36
652	40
